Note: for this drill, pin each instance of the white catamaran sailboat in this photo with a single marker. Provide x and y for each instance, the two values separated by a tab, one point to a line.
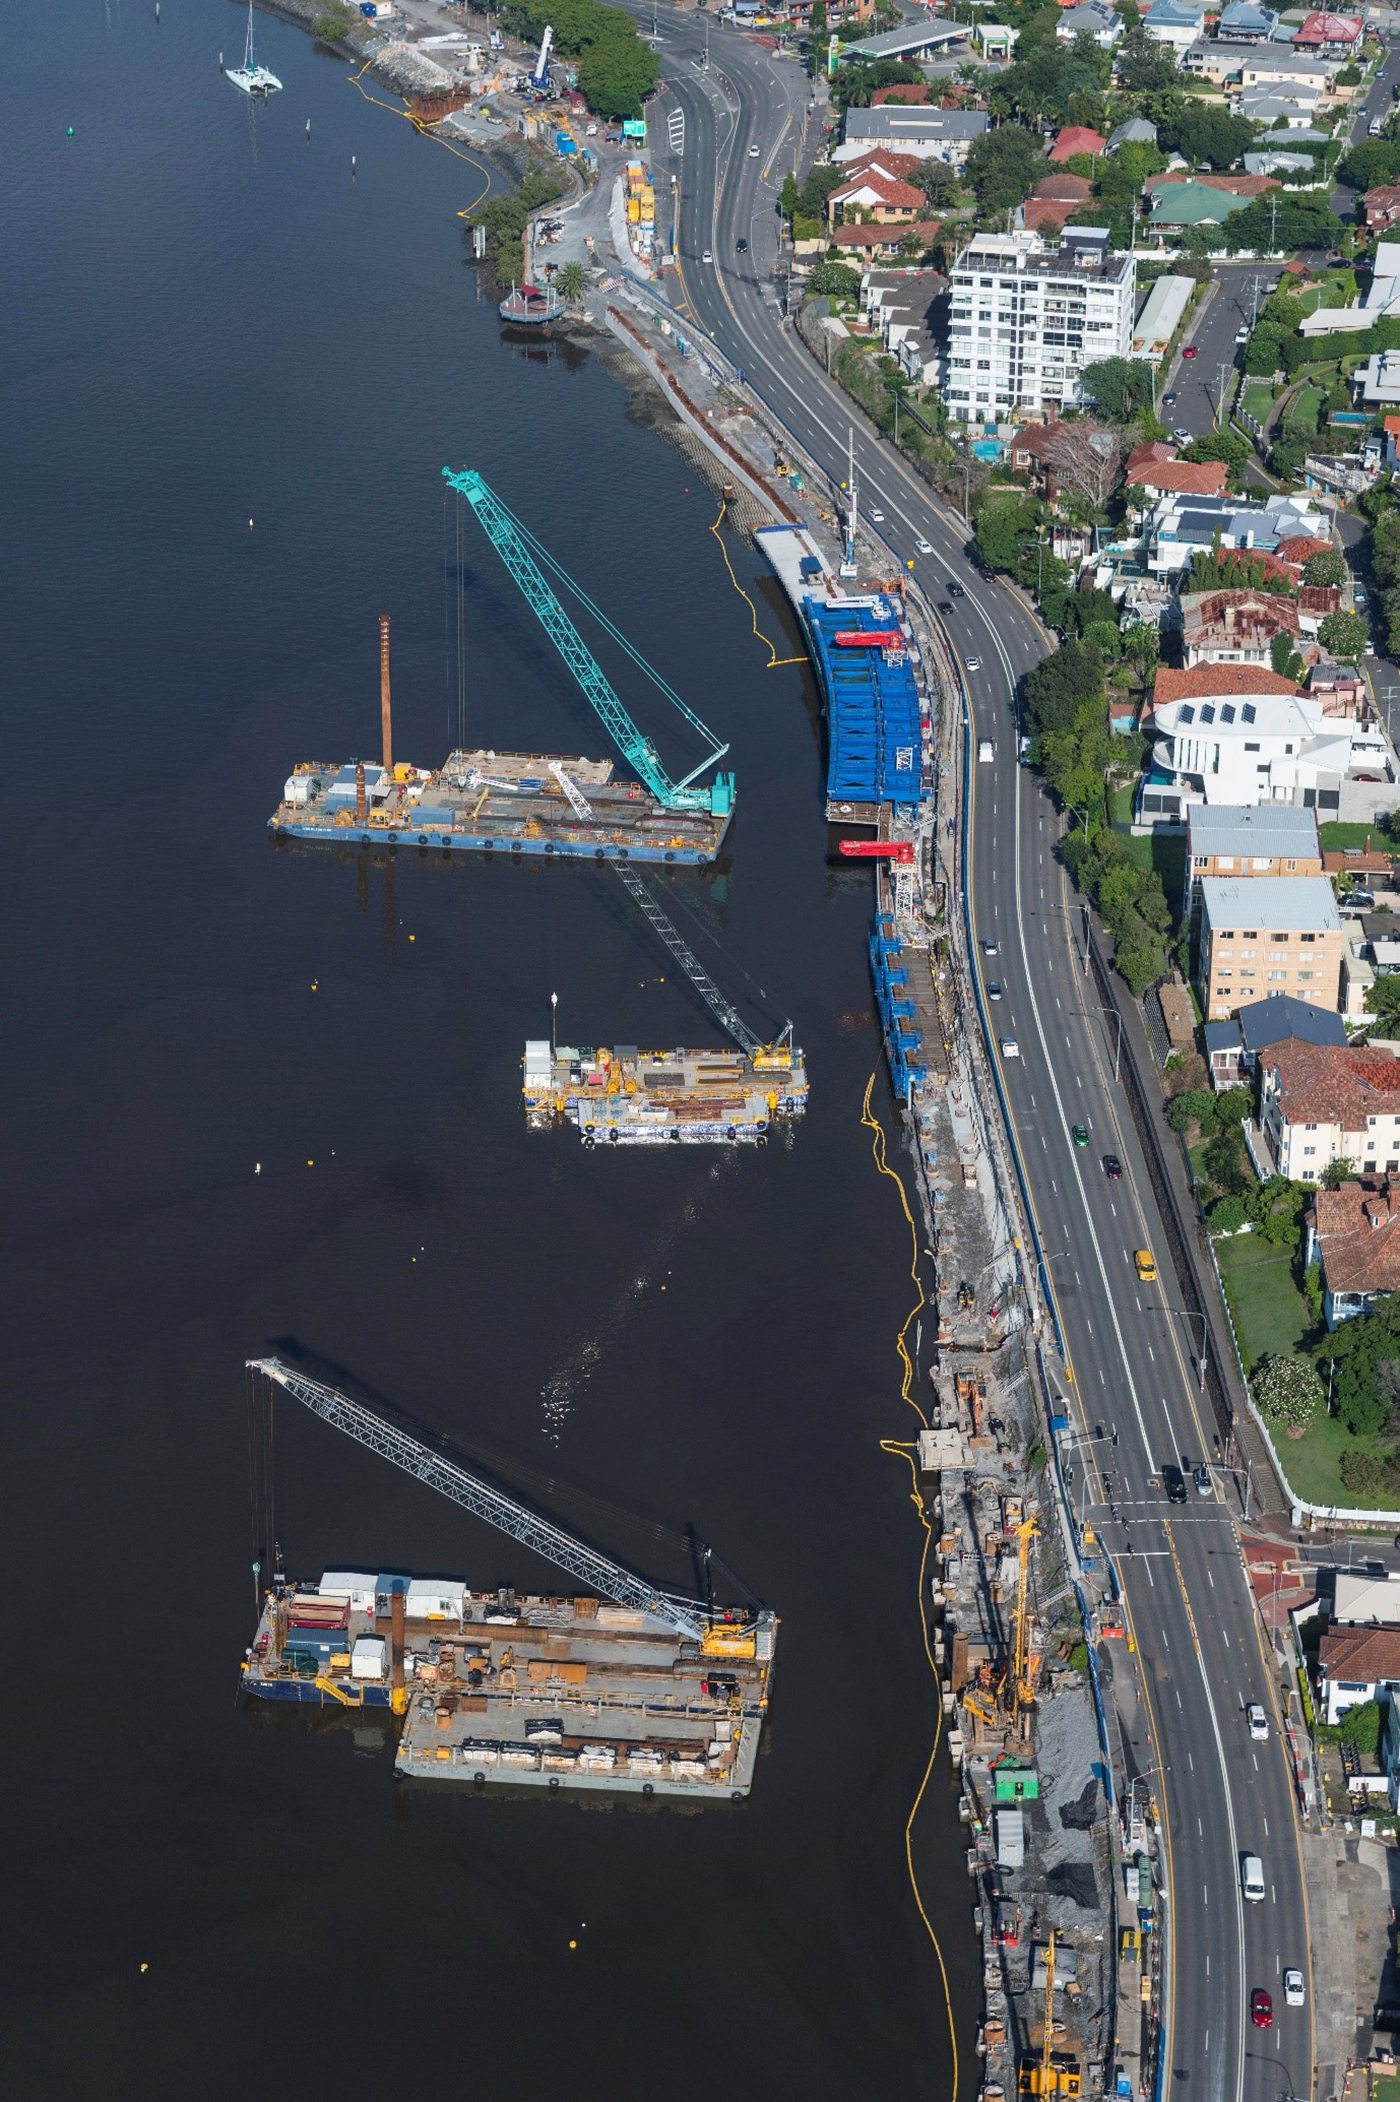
250	77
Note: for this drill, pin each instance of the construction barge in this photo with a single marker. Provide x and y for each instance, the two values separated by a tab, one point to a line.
627	1096
485	802
523	802
554	1692
620	1686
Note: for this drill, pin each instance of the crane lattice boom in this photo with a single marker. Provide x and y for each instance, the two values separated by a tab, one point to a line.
608	1579
725	1014
513	545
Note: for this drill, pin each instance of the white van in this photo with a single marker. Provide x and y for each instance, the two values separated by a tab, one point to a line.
986	752
1252	1879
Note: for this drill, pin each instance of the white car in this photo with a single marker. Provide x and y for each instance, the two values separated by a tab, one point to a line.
1182	437
986	752
992	948
972	664
1241	335
753	153
707	257
1010	1048
1293	1988
877	516
1258	1723
925	547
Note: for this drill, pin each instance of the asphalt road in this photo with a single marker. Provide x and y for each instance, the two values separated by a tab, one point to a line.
1199	1652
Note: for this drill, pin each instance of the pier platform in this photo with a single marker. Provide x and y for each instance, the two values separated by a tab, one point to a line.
492	802
629	1096
495	1687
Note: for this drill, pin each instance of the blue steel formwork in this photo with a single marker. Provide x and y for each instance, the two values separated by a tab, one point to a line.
903	1039
872	704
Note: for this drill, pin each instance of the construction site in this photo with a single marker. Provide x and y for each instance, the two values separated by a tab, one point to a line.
618	1686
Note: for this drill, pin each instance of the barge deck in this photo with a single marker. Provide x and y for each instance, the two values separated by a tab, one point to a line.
504	1688
628	1096
492	802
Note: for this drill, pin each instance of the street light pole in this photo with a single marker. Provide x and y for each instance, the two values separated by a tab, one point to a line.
1118	1041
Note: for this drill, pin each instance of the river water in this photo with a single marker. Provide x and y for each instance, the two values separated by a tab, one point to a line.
211	323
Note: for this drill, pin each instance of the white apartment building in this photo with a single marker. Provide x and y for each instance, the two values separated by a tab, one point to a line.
1025	321
1248	749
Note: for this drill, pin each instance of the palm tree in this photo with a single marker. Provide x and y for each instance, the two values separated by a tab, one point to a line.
571	283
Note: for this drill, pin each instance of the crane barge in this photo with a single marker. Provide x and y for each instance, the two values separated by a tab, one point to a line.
485	801
620	1685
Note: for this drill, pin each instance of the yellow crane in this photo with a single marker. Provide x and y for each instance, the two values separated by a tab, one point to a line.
1021	1678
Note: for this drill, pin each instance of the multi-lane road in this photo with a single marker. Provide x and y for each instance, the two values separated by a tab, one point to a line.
1199	1656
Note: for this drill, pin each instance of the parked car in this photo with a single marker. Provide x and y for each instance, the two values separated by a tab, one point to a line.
1182	437
1241	335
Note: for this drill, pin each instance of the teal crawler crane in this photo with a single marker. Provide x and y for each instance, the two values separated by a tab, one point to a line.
522	555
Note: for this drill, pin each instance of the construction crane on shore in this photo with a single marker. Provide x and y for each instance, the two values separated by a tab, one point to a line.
1021	1678
518	549
694	1622
724	1011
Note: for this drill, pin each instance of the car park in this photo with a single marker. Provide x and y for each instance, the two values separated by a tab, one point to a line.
1174	1482
1293	1993
1261	2009
1258	1723
1010	1048
1145	1264
1113	1167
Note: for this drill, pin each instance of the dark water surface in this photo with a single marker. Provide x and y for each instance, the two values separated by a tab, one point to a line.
207	322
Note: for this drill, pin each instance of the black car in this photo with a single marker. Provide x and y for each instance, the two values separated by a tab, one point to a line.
945	605
1174	1482
741	246
955	590
1113	1167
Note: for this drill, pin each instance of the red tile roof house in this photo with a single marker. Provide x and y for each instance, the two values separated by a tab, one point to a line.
1236	627
1054	202
886	200
1354	1232
1356	1665
1065	188
1324	1102
1382	207
1177	477
1332	36
869	244
1215	682
1076	138
895	167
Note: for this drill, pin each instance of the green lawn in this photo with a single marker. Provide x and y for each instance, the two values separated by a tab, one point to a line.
1168	856
1313	1466
1307	406
1336	837
1120	804
1257	400
1271	1315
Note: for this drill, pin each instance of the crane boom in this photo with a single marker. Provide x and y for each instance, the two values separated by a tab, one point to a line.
513	545
607	1578
723	1011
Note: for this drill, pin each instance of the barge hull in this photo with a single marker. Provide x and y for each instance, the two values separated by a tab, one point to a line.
498	846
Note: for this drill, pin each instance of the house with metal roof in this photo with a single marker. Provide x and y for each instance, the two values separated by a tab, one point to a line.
1242	22
1176	23
926	134
1233	1046
1135	132
1193	204
1092	19
1248	840
912	40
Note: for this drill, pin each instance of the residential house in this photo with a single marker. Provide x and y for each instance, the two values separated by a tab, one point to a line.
1264	934
1192	204
1023	322
1277	162
1173	477
1340	688
1236	627
1295	111
1243	841
1092	18
1242	22
1335	36
1176	23
902	304
1377	383
1074	139
872	244
1246	186
1319	1103
1268	748
1054	202
1163	311
1214	59
927	134
876	198
1380	302
1390	429
1382	207
1356	1665
1217	682
1183	526
1353	1233
1134	131
1038	449
1233	1047
1366	866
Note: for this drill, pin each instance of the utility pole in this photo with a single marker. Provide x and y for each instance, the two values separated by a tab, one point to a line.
1226	368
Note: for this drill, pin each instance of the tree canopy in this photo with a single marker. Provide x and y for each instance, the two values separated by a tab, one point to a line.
616	70
1202	133
1001	167
1118	387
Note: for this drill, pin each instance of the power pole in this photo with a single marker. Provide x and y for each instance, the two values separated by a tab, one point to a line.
1225	370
